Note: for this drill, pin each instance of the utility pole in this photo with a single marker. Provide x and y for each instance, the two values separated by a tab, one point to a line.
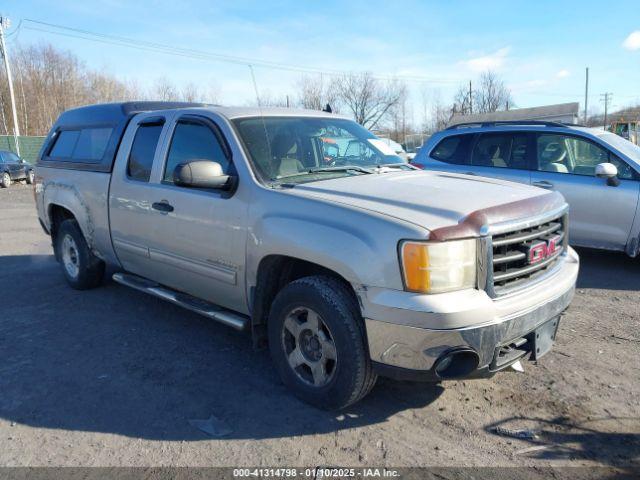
606	98
5	23
470	99
586	95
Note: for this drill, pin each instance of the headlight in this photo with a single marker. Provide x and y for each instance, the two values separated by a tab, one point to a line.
439	266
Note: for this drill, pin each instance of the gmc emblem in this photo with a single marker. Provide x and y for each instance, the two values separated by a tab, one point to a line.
542	250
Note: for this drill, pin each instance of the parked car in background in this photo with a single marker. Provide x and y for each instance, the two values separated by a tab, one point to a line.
598	172
301	228
396	148
413	142
14	168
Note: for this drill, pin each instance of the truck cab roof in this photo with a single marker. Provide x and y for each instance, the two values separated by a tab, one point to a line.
103	125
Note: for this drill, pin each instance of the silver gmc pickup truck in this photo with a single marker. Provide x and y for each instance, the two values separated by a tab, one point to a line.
306	230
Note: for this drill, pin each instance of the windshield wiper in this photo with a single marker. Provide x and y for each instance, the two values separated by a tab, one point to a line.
342	168
397	165
324	169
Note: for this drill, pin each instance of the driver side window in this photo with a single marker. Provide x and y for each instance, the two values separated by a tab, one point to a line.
570	154
193	141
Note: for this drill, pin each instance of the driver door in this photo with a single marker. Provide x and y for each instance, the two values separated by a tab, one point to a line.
600	215
197	242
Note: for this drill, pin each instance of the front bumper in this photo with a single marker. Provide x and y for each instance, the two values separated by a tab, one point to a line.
407	333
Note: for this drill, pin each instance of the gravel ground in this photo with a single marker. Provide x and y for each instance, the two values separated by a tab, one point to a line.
112	377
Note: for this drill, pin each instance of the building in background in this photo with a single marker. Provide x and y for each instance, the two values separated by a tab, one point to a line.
562	112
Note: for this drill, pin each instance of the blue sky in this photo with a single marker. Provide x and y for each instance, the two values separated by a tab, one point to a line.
540	48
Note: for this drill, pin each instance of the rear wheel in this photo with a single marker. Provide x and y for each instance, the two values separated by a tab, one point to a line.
30	177
81	268
6	180
317	343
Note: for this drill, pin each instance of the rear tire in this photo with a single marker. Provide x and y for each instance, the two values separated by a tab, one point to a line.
81	268
6	180
30	177
318	343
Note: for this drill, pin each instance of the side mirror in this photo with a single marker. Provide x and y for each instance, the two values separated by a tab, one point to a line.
609	172
200	174
606	170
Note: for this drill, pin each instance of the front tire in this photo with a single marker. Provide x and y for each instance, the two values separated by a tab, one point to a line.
6	180
318	343
30	177
81	268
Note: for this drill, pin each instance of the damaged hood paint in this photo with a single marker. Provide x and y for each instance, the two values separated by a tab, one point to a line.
434	200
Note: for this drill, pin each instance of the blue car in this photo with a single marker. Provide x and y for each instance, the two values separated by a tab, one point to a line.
14	168
598	172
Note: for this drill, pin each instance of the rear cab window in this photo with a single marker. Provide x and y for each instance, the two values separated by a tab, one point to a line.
86	145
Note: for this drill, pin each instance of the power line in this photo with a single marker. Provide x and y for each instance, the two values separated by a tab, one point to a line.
142	45
203	55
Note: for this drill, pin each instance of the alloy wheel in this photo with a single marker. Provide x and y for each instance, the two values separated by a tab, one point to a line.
70	257
309	347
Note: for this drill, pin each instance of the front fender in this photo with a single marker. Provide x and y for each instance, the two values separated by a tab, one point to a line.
328	244
359	246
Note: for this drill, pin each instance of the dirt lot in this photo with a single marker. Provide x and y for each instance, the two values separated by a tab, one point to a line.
112	377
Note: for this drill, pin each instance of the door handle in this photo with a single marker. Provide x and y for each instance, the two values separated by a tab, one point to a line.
164	207
543	184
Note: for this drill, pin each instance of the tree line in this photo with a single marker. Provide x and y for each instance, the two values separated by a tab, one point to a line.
48	81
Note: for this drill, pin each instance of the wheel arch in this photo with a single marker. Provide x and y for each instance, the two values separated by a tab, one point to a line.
63	202
274	272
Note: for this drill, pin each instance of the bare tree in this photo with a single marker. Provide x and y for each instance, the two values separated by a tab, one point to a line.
399	117
213	94
367	98
191	93
462	100
440	115
267	99
435	113
315	93
49	81
492	94
165	90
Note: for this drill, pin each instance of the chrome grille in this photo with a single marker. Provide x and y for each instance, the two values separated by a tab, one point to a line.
523	255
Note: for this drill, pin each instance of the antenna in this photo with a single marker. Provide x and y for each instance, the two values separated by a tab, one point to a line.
264	124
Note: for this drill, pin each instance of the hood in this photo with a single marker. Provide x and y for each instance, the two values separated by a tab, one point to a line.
434	200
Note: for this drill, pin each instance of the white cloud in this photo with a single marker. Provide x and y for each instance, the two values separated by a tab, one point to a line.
493	61
632	42
564	73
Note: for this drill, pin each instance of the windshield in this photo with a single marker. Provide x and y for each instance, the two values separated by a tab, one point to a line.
303	149
625	146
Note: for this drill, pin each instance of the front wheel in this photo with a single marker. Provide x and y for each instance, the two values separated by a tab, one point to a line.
30	177
317	343
81	268
6	180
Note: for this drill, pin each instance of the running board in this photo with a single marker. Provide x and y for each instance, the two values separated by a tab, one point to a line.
209	310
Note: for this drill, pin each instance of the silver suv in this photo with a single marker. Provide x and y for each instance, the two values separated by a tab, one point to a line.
596	171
